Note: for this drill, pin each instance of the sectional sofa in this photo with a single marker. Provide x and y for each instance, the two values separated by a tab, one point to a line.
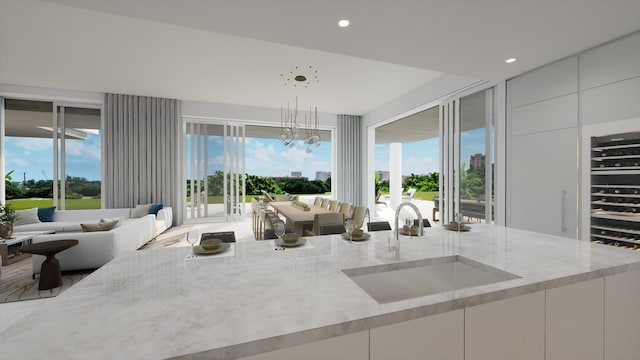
96	248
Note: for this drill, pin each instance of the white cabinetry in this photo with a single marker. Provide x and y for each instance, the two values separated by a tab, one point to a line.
574	316
506	329
542	175
621	316
347	347
435	337
543	182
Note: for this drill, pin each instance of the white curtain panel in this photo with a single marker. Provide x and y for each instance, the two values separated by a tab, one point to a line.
142	142
349	147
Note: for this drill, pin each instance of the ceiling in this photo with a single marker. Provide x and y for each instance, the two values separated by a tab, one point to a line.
234	51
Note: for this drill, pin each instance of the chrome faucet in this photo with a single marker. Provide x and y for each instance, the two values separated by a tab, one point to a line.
396	231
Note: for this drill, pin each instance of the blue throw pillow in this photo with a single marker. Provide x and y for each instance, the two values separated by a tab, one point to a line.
46	214
155	208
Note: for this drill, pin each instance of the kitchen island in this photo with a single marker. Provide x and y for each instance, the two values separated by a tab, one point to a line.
253	301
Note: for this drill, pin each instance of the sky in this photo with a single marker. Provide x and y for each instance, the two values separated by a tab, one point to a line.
423	157
32	157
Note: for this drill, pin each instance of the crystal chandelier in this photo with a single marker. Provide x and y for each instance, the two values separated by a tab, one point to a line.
291	130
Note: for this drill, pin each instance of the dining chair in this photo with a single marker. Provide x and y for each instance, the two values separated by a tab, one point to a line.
359	213
378	226
226	236
325	203
317	201
323	220
282	198
346	208
334	205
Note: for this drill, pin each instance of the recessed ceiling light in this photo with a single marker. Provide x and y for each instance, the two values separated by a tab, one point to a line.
343	23
510	60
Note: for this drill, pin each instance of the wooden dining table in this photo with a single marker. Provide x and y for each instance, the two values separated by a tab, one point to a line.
297	218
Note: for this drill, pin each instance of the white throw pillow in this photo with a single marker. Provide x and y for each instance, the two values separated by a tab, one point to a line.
140	210
117	219
29	216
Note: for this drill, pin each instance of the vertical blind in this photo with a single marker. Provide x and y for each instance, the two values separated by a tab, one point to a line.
349	148
142	141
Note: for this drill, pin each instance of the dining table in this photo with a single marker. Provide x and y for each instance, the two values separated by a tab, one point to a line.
297	218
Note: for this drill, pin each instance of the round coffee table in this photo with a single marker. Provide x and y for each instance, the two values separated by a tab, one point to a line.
50	275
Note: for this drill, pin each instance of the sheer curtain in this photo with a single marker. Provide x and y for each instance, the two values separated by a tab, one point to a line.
349	147
142	142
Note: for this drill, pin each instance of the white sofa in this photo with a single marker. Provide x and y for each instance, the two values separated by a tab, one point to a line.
96	248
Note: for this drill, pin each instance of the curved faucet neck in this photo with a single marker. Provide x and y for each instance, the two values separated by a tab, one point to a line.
396	229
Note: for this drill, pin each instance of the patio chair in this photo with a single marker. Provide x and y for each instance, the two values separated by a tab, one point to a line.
267	195
409	194
322	221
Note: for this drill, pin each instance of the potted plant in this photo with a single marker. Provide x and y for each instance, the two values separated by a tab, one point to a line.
7	217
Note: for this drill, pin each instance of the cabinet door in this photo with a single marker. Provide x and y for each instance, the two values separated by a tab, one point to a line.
433	337
543	182
621	316
347	347
575	321
506	329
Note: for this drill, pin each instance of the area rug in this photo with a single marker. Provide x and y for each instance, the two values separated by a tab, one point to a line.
16	283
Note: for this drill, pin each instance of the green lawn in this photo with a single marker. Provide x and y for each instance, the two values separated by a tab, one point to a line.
423	195
72	204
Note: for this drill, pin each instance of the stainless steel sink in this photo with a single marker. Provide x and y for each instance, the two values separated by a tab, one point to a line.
399	281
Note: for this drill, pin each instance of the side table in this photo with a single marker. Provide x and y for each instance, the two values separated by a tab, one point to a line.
50	274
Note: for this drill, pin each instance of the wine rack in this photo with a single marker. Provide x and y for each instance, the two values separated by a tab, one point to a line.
615	190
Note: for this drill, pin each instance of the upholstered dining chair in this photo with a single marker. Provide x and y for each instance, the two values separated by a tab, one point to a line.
282	198
327	223
334	205
325	203
346	208
359	213
317	201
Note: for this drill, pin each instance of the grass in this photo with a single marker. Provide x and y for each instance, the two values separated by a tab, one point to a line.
71	204
424	195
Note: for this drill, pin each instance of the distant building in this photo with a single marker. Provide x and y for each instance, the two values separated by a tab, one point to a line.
476	160
323	175
383	175
296	174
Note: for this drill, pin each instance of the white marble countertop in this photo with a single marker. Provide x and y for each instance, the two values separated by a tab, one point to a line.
157	304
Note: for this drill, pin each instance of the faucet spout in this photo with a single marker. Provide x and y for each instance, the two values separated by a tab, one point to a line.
396	231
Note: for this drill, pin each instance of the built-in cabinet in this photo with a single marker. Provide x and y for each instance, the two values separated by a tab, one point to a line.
507	329
437	337
589	320
548	112
542	177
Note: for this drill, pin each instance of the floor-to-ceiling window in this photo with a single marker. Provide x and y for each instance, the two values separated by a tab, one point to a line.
51	157
468	157
407	153
226	163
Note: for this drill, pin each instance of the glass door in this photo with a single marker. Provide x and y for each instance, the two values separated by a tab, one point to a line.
468	163
51	154
214	171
